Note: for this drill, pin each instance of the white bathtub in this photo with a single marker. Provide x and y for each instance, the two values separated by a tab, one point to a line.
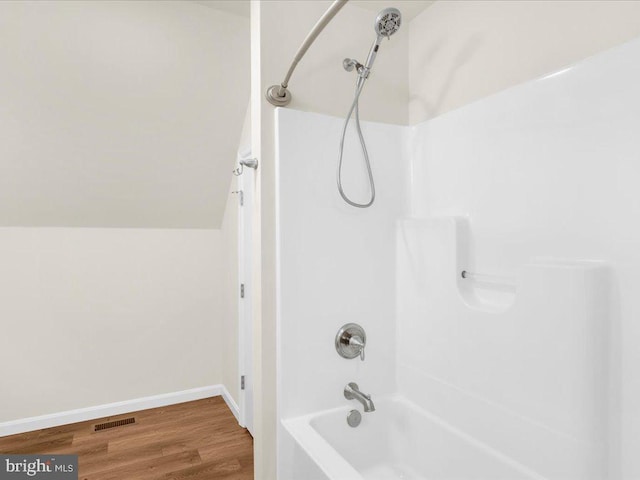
397	441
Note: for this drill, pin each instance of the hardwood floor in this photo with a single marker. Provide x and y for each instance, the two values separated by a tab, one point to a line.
194	440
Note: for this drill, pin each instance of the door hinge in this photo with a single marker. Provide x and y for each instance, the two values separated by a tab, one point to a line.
241	382
242	290
240	196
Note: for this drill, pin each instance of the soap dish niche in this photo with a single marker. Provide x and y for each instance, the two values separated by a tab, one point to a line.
489	292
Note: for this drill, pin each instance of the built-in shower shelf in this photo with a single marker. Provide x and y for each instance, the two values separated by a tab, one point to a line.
489	292
445	241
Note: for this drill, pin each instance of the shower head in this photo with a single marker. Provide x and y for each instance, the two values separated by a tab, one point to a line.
388	22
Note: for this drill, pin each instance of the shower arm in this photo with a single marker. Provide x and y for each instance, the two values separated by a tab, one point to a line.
278	95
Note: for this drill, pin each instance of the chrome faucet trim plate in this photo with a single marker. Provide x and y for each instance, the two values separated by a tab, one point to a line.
350	341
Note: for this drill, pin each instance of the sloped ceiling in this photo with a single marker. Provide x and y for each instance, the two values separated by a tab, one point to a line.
237	7
409	8
119	114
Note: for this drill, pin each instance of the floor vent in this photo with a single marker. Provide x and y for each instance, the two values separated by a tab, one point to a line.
115	423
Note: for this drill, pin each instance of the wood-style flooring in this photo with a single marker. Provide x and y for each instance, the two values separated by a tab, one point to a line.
194	440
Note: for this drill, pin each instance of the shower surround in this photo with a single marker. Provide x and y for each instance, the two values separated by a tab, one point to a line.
533	191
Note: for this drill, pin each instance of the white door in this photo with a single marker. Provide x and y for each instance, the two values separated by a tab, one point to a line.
245	313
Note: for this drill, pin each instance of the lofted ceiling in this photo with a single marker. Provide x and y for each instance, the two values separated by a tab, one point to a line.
125	114
237	7
119	114
409	8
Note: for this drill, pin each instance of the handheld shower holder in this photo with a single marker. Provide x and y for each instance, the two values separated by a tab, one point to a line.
386	24
349	64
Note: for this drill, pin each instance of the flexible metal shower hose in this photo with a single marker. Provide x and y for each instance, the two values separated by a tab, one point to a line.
354	106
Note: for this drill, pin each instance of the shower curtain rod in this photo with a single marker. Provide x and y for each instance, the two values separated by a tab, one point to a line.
278	95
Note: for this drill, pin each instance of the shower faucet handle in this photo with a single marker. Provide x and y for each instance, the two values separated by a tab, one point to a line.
357	342
351	340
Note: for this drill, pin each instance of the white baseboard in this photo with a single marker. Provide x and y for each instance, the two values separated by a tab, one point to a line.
118	408
231	403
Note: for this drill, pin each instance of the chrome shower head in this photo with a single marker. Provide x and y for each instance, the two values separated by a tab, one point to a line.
388	22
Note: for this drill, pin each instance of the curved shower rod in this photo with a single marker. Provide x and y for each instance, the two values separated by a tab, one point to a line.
278	95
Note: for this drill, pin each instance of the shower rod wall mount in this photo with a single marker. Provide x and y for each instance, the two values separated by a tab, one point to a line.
278	95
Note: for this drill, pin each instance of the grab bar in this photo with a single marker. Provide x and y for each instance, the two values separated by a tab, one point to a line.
278	95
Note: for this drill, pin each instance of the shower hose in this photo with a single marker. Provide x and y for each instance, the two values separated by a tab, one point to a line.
354	106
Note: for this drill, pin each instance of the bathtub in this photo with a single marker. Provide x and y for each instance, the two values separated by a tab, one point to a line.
397	441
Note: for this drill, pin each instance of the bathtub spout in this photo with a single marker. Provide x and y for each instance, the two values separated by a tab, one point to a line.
352	392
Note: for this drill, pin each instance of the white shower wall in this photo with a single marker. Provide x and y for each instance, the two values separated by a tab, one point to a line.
536	184
335	264
550	169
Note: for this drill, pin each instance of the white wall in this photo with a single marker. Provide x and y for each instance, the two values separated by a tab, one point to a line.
93	316
549	169
336	263
119	113
319	84
113	117
460	51
544	169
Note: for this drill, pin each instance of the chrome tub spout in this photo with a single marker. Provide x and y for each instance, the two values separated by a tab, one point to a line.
352	392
